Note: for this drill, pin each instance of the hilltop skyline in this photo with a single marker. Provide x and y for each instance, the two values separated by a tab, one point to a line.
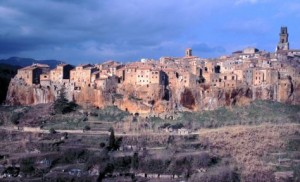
95	31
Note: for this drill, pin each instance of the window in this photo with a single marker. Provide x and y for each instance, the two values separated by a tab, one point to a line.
225	77
232	77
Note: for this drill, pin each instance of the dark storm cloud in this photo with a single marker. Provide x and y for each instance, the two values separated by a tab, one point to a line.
119	26
124	30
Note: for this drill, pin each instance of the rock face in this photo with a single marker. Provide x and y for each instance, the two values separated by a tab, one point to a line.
19	93
156	100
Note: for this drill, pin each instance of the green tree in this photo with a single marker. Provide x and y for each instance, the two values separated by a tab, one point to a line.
112	139
113	142
61	104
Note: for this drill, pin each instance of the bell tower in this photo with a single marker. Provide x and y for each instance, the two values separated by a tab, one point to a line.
188	52
284	39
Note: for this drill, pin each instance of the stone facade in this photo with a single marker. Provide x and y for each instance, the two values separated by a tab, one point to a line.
61	72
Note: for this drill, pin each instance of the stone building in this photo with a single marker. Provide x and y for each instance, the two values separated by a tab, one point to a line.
143	76
45	79
258	77
61	72
31	74
108	84
82	75
228	80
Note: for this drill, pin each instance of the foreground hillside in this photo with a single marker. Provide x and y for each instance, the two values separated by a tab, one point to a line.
261	153
258	142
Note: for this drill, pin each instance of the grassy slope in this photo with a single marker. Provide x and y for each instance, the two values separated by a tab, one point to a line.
251	145
256	113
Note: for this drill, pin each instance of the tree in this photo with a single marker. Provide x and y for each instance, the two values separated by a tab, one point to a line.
135	161
61	104
113	142
87	128
27	166
112	139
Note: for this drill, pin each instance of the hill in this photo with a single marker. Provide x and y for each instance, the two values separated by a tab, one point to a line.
22	62
6	73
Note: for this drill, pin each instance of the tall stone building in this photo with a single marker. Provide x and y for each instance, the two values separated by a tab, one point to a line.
284	40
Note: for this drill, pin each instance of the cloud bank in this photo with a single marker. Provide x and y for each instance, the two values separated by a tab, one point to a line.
92	31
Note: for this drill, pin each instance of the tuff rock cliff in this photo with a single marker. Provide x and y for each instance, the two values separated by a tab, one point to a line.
166	100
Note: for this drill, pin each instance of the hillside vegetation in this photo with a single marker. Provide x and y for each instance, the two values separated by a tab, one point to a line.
262	153
255	113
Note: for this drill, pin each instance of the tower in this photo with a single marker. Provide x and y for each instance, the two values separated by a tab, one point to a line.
188	52
284	40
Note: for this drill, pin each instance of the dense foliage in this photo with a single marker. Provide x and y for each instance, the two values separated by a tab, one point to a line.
62	105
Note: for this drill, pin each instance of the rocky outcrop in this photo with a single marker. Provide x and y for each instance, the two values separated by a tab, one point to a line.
156	100
19	93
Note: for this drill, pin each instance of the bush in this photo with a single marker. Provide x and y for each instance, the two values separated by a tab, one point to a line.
73	155
87	128
14	117
27	166
102	145
52	131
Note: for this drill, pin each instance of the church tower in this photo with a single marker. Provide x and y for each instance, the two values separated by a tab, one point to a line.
188	52
284	40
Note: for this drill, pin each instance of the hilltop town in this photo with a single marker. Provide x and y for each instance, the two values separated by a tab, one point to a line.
163	87
140	122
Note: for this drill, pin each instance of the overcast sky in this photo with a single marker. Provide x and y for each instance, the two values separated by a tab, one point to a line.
82	31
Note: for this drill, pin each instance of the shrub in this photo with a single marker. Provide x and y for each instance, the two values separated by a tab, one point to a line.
14	117
112	114
102	145
52	131
87	127
74	154
27	166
